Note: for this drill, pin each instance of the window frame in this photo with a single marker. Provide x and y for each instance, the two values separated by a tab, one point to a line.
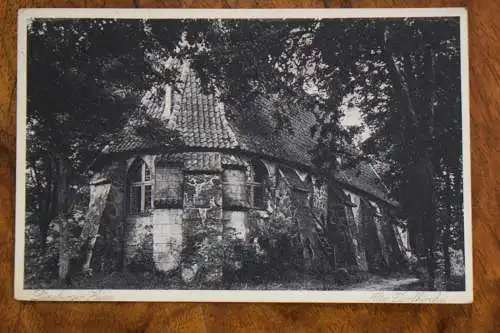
143	183
252	184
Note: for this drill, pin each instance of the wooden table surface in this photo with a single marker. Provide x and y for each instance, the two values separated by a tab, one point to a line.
481	316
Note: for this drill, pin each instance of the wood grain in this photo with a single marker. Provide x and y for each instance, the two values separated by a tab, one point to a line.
482	316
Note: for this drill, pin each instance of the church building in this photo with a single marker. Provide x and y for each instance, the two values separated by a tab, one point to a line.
233	180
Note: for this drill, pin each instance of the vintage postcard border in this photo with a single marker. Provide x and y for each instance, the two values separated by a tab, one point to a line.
224	295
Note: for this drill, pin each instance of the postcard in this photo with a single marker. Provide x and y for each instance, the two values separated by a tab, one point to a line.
317	155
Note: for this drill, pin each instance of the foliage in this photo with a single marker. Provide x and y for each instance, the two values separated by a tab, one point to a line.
42	255
414	113
286	63
403	75
156	131
240	259
86	78
85	81
143	254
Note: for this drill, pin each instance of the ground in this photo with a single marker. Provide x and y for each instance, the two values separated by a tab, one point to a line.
359	281
376	283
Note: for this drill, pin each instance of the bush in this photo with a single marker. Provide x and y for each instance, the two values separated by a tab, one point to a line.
143	259
40	258
41	263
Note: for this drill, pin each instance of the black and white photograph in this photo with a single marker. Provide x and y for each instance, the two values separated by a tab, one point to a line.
243	155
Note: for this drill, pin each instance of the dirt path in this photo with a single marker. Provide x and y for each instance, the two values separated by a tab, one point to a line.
384	284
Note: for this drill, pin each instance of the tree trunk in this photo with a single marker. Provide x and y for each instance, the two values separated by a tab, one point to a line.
45	205
397	78
424	175
429	217
61	209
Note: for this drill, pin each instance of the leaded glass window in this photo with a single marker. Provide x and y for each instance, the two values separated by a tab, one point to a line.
139	187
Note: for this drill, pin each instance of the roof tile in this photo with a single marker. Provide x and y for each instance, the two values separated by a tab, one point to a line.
202	122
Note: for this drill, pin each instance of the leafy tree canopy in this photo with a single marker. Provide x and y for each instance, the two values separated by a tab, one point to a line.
86	77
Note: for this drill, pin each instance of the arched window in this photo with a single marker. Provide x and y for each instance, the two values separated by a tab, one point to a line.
256	184
140	186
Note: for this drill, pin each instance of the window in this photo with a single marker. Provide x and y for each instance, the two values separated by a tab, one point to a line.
140	187
256	184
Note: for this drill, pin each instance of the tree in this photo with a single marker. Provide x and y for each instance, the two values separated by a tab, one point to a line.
422	64
404	75
241	59
86	78
407	84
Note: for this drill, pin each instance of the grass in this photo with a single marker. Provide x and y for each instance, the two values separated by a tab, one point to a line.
456	283
115	280
147	280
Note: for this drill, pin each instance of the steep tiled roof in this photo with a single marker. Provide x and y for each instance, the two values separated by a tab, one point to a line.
154	101
202	122
198	161
365	178
127	140
201	119
256	130
154	104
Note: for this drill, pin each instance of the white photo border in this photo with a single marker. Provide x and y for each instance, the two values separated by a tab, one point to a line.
289	296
